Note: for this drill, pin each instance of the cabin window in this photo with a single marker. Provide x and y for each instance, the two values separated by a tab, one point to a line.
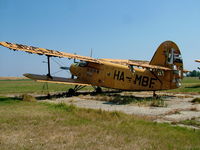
92	70
131	68
82	64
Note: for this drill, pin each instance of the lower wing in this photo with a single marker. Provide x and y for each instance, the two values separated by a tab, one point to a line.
44	78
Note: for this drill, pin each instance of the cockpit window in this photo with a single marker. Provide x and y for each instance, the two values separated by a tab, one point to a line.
131	68
82	64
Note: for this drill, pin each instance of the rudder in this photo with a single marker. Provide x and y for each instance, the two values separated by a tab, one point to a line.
168	55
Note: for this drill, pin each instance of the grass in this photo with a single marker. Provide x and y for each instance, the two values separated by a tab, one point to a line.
189	85
158	103
196	100
130	99
192	122
29	86
118	99
31	125
29	98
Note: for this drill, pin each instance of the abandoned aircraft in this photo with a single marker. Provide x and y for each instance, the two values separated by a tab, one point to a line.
163	72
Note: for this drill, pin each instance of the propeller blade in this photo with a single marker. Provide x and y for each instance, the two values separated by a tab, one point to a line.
64	68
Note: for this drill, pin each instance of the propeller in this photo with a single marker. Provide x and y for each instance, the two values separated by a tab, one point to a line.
67	69
64	68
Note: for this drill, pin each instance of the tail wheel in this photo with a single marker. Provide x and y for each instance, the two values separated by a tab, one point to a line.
71	92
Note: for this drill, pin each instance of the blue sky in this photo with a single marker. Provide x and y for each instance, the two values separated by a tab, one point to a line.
128	29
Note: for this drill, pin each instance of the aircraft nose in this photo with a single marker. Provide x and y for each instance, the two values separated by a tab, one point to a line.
73	69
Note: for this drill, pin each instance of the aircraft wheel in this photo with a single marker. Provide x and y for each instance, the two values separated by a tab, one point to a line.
71	92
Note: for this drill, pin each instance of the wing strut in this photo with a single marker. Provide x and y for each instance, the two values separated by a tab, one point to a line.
49	68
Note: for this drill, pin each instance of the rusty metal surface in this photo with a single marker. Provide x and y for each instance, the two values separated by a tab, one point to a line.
137	63
43	51
125	61
148	66
53	53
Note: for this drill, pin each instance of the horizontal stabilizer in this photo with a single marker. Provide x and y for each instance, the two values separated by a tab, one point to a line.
148	66
45	78
137	63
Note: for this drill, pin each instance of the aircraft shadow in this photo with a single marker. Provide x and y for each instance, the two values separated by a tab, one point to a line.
9	99
195	86
118	99
127	99
66	94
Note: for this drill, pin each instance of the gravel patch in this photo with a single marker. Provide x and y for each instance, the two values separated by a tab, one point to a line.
178	108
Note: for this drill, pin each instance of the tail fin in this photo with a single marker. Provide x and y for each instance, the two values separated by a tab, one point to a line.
168	55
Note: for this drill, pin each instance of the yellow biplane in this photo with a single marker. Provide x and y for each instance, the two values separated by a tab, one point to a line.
164	71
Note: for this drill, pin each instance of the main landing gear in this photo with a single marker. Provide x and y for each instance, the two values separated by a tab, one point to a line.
155	95
98	89
73	91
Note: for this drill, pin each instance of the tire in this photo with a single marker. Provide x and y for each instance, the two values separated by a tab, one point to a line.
71	92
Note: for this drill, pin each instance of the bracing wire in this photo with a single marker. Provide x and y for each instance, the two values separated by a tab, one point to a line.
57	62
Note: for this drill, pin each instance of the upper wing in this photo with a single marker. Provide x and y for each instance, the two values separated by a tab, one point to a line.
42	51
117	61
197	61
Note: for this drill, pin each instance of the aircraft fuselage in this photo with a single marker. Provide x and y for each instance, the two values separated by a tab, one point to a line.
122	77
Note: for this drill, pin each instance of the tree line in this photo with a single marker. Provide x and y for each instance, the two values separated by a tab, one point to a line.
193	73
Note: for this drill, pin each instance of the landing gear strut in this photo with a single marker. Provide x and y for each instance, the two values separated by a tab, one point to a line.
98	90
154	94
49	71
72	92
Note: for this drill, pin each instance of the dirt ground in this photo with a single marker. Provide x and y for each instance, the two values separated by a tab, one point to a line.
178	107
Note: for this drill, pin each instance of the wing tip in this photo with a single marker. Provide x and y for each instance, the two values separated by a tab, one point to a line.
197	60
